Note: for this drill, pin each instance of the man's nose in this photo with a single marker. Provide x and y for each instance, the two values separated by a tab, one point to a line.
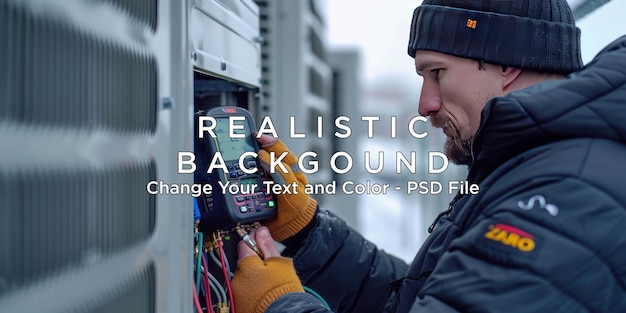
430	100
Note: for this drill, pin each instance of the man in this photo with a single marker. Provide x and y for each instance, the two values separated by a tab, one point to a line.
544	138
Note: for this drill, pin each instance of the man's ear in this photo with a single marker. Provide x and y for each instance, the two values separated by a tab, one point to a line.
510	74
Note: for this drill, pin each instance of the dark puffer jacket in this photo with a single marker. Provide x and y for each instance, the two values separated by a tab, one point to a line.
546	232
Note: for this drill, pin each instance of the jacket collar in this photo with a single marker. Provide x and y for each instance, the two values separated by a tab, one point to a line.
590	103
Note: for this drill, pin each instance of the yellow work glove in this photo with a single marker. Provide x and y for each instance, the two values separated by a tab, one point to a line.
257	283
295	210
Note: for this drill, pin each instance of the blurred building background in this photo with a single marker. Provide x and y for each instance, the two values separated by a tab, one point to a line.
389	86
97	97
297	77
306	77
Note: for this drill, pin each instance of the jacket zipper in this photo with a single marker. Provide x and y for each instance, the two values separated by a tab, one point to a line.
444	213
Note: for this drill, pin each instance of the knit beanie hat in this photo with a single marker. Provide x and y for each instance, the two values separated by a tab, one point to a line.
537	35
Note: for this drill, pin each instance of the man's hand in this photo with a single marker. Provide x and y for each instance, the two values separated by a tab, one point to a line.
264	242
296	210
257	283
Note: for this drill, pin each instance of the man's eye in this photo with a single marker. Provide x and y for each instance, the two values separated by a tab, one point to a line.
436	72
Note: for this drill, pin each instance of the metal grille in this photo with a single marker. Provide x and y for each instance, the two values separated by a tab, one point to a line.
61	218
57	75
61	82
143	10
265	29
137	296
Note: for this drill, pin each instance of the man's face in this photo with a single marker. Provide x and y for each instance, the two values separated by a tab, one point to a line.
453	95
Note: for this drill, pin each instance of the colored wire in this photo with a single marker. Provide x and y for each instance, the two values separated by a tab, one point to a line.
196	301
230	274
205	279
207	295
214	283
217	261
220	293
226	278
198	261
317	295
204	287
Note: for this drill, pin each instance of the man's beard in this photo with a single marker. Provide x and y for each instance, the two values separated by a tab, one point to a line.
457	149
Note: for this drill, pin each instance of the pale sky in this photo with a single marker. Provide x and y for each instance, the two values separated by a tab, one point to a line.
379	28
601	27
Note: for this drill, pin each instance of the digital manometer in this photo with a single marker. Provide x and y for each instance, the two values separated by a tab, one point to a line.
227	159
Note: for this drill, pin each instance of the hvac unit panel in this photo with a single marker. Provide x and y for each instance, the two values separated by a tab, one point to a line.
143	10
78	110
58	76
231	51
136	296
57	219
